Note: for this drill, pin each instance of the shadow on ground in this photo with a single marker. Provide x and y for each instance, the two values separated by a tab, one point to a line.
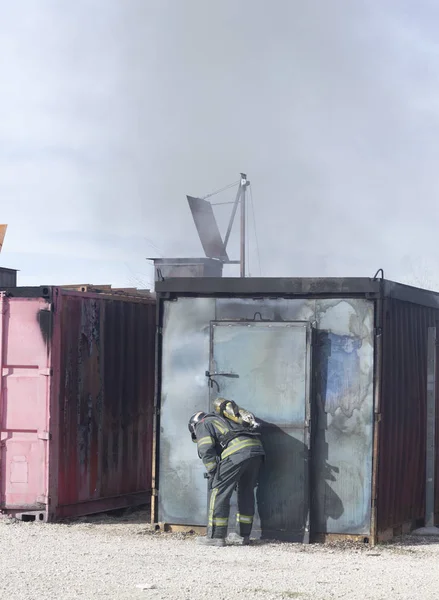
131	516
411	540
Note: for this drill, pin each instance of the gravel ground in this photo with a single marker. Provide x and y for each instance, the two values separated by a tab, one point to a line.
107	558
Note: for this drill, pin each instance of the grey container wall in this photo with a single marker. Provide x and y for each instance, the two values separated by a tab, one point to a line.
363	332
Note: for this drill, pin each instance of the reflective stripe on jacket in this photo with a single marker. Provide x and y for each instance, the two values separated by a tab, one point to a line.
209	432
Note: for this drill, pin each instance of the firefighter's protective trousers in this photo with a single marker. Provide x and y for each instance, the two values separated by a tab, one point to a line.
235	465
228	475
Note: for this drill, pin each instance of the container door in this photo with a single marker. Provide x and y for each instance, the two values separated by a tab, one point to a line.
24	403
265	367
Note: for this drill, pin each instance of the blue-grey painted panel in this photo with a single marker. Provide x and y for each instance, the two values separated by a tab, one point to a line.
342	404
342	420
185	359
271	364
271	309
343	416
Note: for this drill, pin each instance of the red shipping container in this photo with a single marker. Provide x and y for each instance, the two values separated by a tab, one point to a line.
76	402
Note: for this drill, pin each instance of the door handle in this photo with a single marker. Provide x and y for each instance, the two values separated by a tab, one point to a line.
212	381
232	375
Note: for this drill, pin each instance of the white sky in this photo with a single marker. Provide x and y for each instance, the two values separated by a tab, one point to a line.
113	110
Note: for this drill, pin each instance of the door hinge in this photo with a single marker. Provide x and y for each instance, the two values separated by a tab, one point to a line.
377	331
44	435
377	417
155	492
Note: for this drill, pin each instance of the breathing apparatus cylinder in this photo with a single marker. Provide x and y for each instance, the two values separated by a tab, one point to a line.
230	410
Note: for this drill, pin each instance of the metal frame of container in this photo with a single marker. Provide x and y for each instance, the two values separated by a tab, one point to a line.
76	402
402	315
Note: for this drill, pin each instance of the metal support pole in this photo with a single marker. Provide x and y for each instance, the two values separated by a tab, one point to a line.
243	223
232	218
240	197
430	464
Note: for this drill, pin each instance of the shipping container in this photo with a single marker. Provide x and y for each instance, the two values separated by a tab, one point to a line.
8	277
336	369
76	402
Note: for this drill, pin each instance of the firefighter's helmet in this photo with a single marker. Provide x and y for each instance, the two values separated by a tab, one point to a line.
193	422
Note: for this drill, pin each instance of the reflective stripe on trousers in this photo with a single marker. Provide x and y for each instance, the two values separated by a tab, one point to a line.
213	496
245	474
247	519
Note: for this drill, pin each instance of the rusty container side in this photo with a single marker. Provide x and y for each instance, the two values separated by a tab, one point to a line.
436	482
402	448
104	403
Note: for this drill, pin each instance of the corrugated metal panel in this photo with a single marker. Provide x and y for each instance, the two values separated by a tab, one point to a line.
76	402
24	404
401	462
105	402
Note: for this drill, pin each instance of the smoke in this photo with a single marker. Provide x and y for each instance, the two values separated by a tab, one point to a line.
115	110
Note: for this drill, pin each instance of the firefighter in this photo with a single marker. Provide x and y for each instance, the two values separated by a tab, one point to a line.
232	455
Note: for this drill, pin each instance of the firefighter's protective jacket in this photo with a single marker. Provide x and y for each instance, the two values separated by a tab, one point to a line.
213	443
